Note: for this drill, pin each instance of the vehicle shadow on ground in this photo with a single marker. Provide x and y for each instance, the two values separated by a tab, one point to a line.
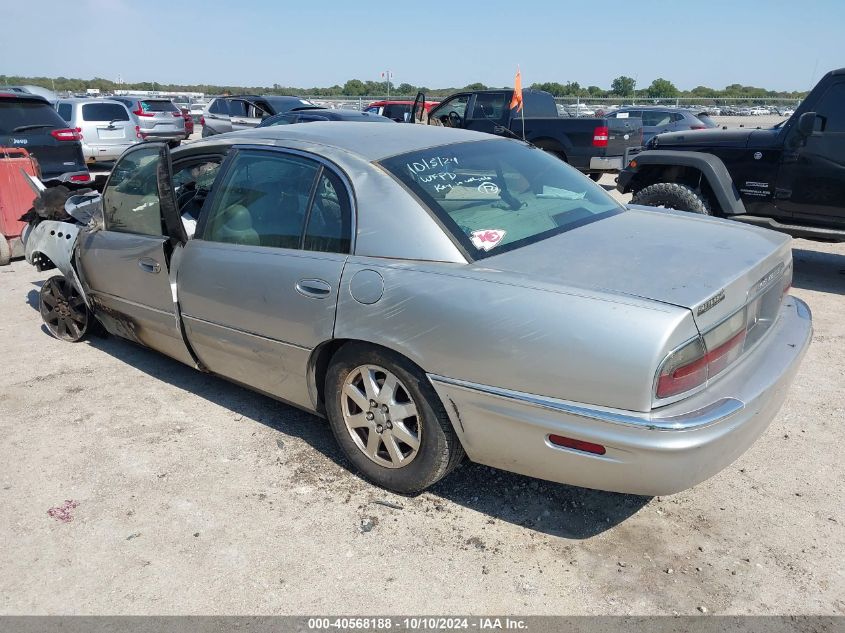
556	509
33	299
818	270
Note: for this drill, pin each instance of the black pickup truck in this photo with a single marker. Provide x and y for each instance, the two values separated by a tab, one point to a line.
790	178
591	145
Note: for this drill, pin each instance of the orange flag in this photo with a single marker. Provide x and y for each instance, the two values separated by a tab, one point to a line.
516	102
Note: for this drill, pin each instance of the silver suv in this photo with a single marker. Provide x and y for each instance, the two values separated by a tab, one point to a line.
106	127
158	119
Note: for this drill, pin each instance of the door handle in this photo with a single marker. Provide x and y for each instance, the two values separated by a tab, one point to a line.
314	288
149	265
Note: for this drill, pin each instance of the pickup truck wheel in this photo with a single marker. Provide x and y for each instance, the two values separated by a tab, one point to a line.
388	419
64	311
672	195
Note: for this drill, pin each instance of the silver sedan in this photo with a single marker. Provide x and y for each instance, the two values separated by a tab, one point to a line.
437	292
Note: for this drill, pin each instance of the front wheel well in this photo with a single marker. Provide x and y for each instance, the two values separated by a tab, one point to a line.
692	177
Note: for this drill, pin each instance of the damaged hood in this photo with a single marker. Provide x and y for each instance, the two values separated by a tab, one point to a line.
707	265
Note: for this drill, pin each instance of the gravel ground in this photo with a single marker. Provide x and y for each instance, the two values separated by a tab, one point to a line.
132	484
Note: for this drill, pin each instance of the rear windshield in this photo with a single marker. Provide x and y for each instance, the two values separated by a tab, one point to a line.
158	106
16	114
104	112
498	195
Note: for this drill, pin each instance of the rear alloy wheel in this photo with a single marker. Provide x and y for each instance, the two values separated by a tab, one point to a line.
672	195
64	311
388	419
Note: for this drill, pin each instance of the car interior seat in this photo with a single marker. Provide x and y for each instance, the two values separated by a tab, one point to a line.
235	227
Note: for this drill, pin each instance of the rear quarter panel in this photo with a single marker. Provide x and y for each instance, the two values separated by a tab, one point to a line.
463	322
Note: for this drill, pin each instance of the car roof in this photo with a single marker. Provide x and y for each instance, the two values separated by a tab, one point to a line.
92	100
370	142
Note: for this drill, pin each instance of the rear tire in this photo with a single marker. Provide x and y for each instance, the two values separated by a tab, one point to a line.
673	195
405	442
595	176
5	252
174	144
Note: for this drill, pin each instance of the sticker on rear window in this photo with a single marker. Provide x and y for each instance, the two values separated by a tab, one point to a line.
622	115
487	239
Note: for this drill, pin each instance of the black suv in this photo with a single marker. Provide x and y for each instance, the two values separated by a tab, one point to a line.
29	122
789	178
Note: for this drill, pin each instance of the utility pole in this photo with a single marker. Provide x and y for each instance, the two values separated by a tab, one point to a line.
387	75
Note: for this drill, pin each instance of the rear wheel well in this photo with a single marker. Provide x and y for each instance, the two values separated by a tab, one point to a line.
692	177
321	358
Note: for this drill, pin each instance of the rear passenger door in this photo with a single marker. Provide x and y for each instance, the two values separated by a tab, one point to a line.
258	283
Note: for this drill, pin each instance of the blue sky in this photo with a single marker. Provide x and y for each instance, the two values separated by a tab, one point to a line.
777	44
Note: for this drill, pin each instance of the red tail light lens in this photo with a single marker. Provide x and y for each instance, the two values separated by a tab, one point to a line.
202	121
176	114
703	358
81	178
139	112
66	135
600	136
138	132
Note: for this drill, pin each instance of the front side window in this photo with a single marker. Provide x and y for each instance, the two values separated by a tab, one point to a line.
656	117
489	106
450	113
831	110
130	201
263	200
498	195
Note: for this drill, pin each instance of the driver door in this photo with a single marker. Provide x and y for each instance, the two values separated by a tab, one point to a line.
125	266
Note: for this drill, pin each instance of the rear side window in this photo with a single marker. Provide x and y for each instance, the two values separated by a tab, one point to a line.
263	200
656	117
158	106
329	223
130	201
237	107
106	112
16	116
65	111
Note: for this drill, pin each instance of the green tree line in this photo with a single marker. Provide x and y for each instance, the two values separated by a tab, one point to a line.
620	87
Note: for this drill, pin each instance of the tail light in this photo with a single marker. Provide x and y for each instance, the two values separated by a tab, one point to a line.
138	133
202	121
140	112
600	136
176	113
66	134
81	178
79	131
717	349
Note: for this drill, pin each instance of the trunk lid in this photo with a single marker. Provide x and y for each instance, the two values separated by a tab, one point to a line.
709	266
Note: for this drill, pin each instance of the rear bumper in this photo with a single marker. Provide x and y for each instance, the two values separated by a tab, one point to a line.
668	450
607	163
94	152
178	135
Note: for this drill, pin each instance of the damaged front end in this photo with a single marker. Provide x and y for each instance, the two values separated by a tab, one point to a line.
50	238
